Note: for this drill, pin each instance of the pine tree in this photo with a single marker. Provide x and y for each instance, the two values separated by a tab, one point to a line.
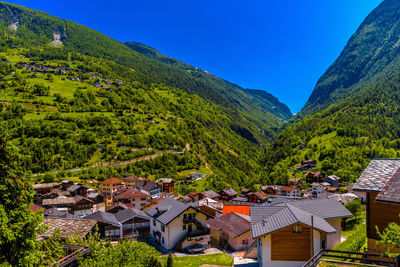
169	260
18	225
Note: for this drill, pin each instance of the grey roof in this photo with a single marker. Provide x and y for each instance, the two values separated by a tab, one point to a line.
270	219
130	213
377	174
104	217
326	208
391	191
73	188
167	210
211	194
230	192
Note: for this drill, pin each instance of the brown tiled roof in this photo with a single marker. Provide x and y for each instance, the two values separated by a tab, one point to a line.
232	223
112	180
151	204
391	191
133	178
67	227
131	193
260	195
377	175
288	188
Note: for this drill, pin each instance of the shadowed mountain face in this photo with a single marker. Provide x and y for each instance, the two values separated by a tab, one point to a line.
372	54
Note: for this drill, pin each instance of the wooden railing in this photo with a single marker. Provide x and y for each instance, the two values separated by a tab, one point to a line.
71	258
365	258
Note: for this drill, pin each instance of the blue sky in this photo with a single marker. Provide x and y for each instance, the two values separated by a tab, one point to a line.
281	46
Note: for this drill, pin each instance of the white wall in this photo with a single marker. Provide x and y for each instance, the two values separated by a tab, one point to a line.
334	239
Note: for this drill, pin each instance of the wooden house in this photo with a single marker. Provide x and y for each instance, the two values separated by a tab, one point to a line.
381	183
228	194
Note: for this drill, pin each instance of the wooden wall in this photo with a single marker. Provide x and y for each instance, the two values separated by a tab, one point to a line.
289	246
380	214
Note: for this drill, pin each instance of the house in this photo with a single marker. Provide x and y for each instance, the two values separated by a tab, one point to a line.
257	197
290	233
311	162
67	227
130	181
211	194
381	183
198	175
177	225
212	207
109	187
290	191
333	180
82	206
270	189
152	188
314	176
228	194
153	203
166	185
244	192
45	187
96	197
65	184
66	202
231	230
195	196
317	190
134	222
295	181
78	189
134	197
109	226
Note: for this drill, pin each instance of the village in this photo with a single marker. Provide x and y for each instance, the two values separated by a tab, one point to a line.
263	227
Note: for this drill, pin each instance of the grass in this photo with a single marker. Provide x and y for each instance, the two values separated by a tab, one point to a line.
221	259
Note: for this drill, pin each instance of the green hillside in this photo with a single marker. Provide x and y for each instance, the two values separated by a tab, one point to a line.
372	54
353	114
73	98
261	105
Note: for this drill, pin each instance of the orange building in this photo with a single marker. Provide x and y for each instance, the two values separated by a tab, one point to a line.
109	187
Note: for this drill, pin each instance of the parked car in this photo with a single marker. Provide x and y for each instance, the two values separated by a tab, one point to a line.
195	249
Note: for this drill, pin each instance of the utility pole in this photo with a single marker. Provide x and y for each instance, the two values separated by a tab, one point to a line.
312	235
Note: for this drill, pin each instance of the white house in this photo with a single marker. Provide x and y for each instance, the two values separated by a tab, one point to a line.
176	225
288	234
317	190
290	191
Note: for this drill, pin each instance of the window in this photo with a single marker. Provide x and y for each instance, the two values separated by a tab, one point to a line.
245	242
185	216
162	240
297	229
184	227
154	222
163	227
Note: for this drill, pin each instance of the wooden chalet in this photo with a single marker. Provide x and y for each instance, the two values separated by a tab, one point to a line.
228	194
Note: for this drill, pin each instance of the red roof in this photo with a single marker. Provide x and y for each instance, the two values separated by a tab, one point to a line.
241	209
288	188
131	194
133	178
35	208
112	180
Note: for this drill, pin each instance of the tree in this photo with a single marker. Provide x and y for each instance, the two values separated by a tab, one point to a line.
354	206
169	260
18	225
390	238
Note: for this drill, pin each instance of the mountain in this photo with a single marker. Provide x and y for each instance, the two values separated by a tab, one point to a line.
260	104
372	54
74	99
353	114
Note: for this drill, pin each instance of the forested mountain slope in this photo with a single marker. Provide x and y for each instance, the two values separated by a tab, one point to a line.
73	98
372	54
353	114
261	104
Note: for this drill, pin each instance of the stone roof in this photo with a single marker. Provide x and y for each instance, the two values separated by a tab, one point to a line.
131	193
377	175
58	201
391	191
230	192
67	227
233	224
45	185
211	194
